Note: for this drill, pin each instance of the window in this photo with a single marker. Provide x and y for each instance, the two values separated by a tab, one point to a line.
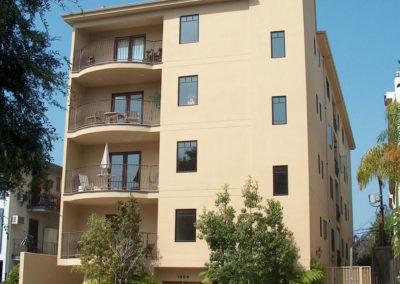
342	136
279	110
325	230
319	164
58	184
187	92
278	44
330	136
184	225
186	156
316	101
130	49
125	171
1	226
129	106
345	212
319	58
341	204
332	240
315	48
320	112
322	169
328	90
320	226
280	180
338	121
189	29
342	249
347	251
331	189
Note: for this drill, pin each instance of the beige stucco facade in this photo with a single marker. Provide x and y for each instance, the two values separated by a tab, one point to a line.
231	122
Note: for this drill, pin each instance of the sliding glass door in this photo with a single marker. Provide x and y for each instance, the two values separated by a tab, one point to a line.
125	171
130	106
130	49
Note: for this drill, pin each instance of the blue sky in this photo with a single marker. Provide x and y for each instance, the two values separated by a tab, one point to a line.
365	41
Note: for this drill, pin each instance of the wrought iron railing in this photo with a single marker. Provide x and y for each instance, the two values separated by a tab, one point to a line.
119	177
29	245
70	247
101	113
106	51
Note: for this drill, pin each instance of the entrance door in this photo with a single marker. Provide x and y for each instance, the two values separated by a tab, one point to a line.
33	232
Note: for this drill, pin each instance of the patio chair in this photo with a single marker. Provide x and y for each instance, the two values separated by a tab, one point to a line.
84	182
131	117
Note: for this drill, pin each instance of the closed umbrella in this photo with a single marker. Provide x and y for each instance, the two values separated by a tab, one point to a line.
105	161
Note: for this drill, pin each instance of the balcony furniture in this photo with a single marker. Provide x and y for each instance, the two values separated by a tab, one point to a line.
134	118
95	119
112	117
84	183
105	183
91	60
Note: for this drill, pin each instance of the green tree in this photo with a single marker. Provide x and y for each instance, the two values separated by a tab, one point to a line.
31	74
112	249
253	246
95	249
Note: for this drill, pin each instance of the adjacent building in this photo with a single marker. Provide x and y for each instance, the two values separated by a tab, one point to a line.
190	95
29	219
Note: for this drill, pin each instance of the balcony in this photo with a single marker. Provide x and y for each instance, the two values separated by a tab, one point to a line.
114	112
70	247
124	50
29	245
45	202
119	178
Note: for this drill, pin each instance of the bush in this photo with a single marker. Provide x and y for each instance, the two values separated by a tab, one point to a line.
14	276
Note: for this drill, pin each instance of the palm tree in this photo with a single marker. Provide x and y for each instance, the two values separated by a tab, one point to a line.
372	166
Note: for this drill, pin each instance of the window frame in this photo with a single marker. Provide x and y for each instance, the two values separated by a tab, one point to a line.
177	155
179	90
274	180
130	38
176	225
273	112
284	44
180	28
128	100
124	177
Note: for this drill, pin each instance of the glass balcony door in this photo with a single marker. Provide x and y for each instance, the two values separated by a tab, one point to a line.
125	171
130	106
130	49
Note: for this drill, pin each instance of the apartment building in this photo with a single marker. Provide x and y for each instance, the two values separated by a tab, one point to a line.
29	219
171	99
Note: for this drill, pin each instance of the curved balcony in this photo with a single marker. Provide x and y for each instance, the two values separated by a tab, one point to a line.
109	185
114	116
118	51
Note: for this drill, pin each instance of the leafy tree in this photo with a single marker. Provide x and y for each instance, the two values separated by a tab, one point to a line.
95	250
316	275
253	246
112	248
31	74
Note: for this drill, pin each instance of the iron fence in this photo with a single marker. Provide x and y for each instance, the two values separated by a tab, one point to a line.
30	245
106	51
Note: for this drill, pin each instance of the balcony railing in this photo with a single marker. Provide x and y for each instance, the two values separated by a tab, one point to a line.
100	113
106	51
70	247
44	201
120	177
29	245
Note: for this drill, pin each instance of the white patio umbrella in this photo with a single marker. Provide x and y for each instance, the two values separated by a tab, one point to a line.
105	161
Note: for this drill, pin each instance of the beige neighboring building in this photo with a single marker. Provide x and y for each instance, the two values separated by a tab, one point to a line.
190	95
30	219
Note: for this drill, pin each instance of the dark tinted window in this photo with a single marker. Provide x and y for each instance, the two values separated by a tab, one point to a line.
280	180
331	187
184	225
328	89
187	156
278	110
187	90
189	29
333	240
278	44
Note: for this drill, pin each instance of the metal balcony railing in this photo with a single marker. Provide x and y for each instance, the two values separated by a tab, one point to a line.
70	247
120	177
101	113
29	245
106	51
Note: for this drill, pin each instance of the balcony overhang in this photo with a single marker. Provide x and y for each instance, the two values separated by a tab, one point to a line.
117	73
116	133
110	197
